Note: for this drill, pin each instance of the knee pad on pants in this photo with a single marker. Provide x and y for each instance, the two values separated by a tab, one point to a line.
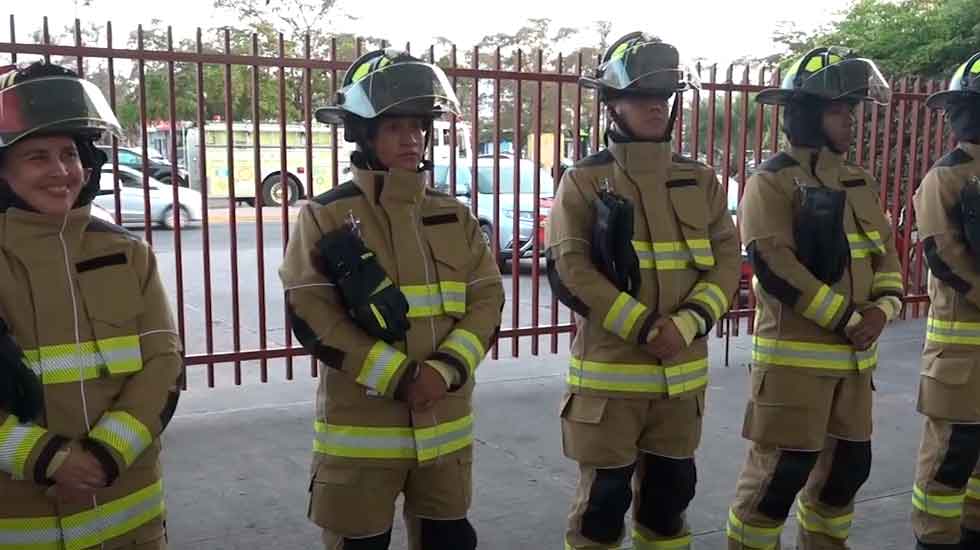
666	490
609	499
792	471
961	455
377	542
849	469
448	534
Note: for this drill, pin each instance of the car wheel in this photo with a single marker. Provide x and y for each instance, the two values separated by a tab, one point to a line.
274	191
167	220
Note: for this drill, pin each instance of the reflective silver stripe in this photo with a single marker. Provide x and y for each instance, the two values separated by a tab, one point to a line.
104	522
330	437
674	379
11	536
821	311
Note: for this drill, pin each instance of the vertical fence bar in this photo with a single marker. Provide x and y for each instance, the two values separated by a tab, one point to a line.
114	141
909	188
46	37
453	129
726	169
334	131
596	115
577	120
896	183
555	177
79	60
287	197
498	222
13	38
259	205
712	97
515	254
695	132
232	212
176	208
141	67
760	122
536	208
308	126
205	219
859	149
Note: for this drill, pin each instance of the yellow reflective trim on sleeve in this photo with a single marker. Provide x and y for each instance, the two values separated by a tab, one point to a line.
16	443
363	441
711	296
640	542
866	244
380	365
701	252
953	332
824	306
973	488
123	433
789	353
837	527
466	345
942	506
750	536
622	316
443	439
887	280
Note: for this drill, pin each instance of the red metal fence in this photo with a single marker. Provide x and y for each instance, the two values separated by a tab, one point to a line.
222	276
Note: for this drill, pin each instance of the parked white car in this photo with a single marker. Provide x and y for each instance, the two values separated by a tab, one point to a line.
161	200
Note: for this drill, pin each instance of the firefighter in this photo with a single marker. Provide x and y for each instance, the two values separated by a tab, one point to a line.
827	279
393	288
946	495
643	249
89	356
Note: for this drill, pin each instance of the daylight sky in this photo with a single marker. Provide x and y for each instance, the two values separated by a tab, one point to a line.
717	30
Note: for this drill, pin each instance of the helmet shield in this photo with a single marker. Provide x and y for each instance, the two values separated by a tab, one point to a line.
398	89
53	104
649	67
965	85
857	79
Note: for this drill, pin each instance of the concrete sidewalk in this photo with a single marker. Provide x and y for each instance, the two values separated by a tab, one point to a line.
237	459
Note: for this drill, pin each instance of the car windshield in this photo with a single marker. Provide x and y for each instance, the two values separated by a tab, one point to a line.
485	183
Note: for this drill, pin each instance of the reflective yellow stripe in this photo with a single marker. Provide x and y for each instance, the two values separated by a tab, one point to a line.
363	441
453	296
379	367
638	378
124	433
809	355
622	316
113	519
973	488
64	363
837	527
824	306
943	506
466	345
435	299
640	542
43	533
701	252
443	439
711	296
953	332
763	538
663	256
16	443
865	244
887	280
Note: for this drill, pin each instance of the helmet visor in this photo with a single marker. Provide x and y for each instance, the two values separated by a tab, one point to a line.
651	67
857	79
54	104
406	89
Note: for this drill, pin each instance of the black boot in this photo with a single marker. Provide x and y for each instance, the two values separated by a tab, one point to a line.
970	540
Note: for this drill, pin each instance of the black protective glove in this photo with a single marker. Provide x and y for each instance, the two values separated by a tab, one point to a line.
821	242
372	300
612	242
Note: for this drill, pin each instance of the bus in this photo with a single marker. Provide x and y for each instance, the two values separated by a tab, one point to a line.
273	183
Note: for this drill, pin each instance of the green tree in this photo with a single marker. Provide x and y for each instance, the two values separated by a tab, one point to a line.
926	38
